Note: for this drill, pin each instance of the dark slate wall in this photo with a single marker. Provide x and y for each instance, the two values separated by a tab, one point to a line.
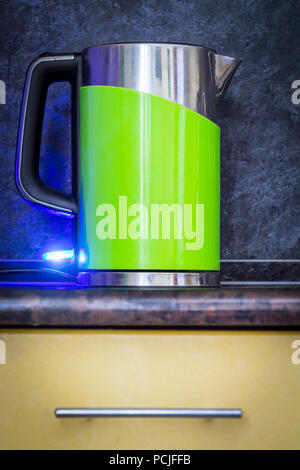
260	124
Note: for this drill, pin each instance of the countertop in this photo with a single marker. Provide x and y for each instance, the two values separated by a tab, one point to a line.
276	307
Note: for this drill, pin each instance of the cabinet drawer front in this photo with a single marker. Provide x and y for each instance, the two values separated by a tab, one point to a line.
254	371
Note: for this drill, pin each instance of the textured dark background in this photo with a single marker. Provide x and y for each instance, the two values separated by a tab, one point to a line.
260	124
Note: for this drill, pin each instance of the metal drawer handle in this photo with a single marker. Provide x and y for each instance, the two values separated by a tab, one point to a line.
148	413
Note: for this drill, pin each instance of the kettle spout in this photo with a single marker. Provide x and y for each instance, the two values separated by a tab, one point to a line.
223	68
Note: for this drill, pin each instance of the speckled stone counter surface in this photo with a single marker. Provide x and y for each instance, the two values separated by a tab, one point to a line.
215	308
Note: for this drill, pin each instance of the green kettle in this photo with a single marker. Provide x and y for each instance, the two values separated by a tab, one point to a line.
145	160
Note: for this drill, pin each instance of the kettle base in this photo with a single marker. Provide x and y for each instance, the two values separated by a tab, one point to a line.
149	278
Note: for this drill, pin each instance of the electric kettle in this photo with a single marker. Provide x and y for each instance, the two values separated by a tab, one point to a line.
145	159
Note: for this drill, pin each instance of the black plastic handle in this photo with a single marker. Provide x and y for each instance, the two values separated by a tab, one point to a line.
43	71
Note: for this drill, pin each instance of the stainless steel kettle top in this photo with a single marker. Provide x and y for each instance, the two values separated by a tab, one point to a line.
190	75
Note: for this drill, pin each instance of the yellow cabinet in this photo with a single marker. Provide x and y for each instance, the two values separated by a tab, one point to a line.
256	371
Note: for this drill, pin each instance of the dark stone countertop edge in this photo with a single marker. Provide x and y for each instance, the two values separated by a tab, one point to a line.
214	308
